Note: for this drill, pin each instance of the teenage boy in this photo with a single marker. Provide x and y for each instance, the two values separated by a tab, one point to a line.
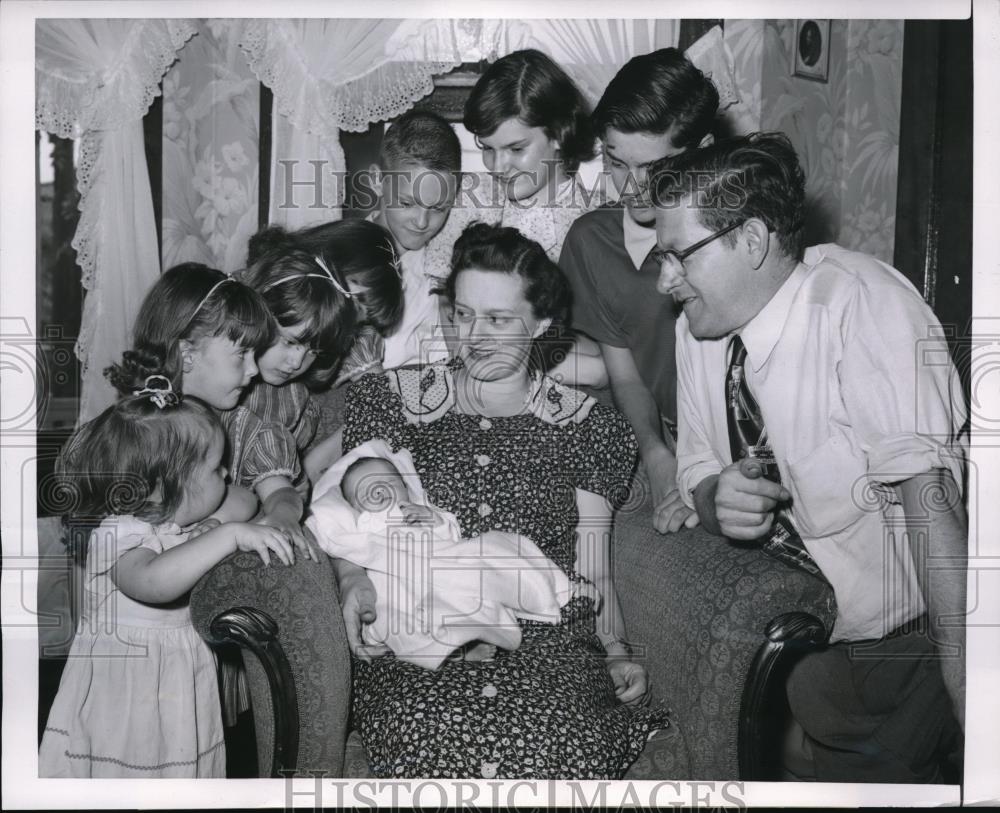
416	179
657	105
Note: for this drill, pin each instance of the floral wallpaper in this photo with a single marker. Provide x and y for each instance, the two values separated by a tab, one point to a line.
846	130
211	104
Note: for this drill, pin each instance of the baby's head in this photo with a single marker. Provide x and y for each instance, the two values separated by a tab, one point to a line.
374	484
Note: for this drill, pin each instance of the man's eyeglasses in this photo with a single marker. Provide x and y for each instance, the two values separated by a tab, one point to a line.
675	259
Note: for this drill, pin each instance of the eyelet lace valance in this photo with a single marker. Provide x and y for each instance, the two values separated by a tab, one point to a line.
331	75
101	74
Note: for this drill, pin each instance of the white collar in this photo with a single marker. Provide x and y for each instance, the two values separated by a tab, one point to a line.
761	333
639	240
412	264
428	393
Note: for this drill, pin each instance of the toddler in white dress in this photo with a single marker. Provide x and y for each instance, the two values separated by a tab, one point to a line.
139	695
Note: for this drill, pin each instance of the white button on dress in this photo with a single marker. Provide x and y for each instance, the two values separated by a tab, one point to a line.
486	423
489	690
483	460
484	509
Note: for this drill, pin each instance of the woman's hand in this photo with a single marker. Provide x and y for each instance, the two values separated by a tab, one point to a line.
262	540
631	684
357	603
671	514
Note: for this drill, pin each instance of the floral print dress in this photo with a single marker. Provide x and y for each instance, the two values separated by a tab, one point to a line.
547	709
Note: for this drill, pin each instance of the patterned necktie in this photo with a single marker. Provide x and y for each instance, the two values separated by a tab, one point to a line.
748	438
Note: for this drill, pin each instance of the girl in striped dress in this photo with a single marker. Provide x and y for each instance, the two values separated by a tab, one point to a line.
317	298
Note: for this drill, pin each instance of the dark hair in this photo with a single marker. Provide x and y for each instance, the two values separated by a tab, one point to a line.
758	175
297	290
114	463
657	93
351	471
505	250
529	86
361	251
422	138
179	306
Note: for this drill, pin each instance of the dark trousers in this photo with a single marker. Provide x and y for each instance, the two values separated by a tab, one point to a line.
875	711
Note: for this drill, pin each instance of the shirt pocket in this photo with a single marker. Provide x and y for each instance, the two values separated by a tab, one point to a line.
823	484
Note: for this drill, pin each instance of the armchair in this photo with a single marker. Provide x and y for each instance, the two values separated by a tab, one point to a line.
715	625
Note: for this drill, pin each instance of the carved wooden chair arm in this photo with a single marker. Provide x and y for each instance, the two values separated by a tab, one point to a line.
787	637
256	631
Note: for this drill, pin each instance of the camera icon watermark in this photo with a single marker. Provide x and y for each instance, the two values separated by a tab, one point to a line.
974	355
43	371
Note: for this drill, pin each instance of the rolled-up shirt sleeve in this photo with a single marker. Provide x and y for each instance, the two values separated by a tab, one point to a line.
696	457
899	386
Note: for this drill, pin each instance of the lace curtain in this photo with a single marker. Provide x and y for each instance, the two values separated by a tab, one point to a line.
333	75
94	81
326	76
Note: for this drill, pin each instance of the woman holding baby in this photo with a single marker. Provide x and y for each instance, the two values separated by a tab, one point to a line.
504	448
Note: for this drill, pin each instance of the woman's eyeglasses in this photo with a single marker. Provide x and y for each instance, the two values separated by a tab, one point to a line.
675	259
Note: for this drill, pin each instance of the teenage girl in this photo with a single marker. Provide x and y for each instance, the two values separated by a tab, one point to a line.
139	696
532	124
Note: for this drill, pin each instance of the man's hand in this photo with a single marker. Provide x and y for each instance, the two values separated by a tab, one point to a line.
670	514
745	500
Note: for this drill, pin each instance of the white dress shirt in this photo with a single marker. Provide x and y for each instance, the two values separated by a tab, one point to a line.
857	391
418	337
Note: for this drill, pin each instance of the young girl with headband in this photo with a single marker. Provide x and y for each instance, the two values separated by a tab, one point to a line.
366	258
276	418
139	696
201	329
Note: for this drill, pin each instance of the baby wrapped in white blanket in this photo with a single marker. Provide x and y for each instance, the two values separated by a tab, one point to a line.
436	591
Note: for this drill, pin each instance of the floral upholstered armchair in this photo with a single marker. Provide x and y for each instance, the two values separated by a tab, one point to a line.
716	625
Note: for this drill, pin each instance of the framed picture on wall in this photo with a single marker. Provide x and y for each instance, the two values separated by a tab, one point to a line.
811	58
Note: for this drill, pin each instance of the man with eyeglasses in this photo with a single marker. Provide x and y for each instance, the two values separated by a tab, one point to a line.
658	104
817	409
